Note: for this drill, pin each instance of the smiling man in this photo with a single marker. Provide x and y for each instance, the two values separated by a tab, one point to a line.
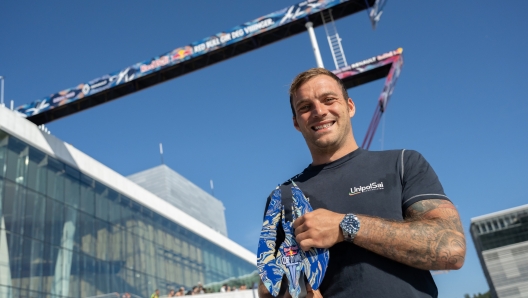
383	215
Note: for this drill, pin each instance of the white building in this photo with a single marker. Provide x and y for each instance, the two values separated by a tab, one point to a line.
72	227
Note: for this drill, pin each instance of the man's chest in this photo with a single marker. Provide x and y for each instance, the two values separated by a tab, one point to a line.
377	193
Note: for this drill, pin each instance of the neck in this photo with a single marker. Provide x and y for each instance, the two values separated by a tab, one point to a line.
321	156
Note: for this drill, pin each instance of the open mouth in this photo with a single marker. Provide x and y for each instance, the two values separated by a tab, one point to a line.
322	126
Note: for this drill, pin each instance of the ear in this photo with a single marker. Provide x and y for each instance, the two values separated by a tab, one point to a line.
295	124
351	108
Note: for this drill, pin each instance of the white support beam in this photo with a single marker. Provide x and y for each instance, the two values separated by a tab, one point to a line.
315	46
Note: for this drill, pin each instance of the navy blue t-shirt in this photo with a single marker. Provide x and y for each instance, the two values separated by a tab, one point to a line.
382	184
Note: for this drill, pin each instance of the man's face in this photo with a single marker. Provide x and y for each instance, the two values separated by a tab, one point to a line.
323	114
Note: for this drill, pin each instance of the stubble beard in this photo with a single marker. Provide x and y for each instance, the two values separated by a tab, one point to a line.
325	146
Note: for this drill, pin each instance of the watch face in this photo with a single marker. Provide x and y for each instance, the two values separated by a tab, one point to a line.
350	224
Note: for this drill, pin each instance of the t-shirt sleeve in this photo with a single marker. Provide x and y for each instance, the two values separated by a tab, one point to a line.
419	180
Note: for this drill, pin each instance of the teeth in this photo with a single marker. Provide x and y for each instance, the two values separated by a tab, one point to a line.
323	126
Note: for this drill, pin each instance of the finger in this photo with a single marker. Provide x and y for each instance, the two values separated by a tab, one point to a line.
305	241
301	237
301	229
299	221
306	244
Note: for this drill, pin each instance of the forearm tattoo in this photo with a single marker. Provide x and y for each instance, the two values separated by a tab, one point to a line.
430	238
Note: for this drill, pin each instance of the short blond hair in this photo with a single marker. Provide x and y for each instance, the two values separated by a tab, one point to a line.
304	76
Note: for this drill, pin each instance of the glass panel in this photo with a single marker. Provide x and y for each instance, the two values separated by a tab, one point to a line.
140	283
129	250
20	292
36	264
1	193
28	214
166	224
116	244
37	170
192	252
87	234
126	214
39	217
102	278
55	179
123	244
101	201
87	194
54	222
199	256
159	257
87	276
16	292
3	151
151	261
13	207
6	291
25	260
72	186
128	276
132	222
141	227
114	213
17	161
8	198
51	254
154	284
139	255
70	218
15	243
103	237
74	276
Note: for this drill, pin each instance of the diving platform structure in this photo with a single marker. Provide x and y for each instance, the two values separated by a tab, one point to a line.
227	44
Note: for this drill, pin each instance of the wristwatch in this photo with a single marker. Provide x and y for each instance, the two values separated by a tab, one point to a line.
350	227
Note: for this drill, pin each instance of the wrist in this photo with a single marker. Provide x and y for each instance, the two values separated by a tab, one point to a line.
349	225
340	237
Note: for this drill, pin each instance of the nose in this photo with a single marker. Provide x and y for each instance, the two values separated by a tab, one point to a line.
319	110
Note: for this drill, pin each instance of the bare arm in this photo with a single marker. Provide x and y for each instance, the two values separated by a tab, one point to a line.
430	238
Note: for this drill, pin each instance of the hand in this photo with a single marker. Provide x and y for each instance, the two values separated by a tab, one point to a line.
310	293
319	228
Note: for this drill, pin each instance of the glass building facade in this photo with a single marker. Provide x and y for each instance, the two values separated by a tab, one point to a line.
501	240
66	234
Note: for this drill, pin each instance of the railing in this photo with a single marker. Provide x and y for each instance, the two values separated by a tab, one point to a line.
115	295
251	293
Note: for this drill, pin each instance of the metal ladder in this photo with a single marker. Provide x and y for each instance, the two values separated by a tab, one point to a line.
333	39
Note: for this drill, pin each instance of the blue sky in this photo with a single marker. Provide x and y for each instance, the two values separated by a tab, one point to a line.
460	99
